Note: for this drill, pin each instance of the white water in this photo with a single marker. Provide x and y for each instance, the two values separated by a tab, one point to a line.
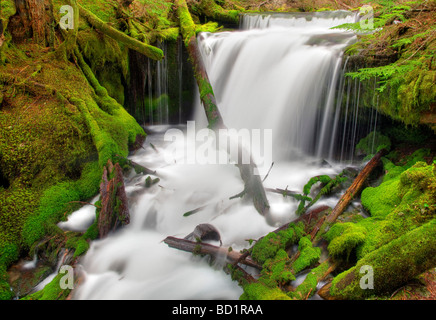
279	78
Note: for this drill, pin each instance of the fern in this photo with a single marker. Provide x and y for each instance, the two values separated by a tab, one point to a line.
410	40
384	73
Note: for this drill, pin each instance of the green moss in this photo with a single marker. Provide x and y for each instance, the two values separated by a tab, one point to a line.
267	247
343	238
277	270
392	265
324	179
381	206
373	143
52	291
9	252
7	10
187	25
401	203
309	255
308	287
258	291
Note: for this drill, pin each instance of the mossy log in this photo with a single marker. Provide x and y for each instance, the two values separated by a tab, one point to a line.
143	48
355	187
114	210
253	184
392	266
308	287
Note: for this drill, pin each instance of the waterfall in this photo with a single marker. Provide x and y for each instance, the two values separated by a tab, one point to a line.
157	88
279	72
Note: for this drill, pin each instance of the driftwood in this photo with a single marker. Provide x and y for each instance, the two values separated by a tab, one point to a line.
252	183
114	210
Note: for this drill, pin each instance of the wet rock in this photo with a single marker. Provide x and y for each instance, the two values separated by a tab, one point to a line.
204	232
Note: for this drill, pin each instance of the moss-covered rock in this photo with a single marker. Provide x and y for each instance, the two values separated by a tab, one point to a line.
392	265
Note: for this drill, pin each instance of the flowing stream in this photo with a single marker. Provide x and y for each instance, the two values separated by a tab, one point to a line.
278	73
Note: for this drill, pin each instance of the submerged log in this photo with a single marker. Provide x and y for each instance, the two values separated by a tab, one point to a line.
114	210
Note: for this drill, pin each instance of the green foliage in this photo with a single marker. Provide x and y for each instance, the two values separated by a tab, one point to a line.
373	143
406	79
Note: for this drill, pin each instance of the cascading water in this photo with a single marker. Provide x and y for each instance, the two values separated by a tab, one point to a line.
279	73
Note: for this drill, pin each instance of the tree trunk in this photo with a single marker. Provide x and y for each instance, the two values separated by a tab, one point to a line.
34	19
114	205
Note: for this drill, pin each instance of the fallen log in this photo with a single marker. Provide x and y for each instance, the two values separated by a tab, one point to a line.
351	192
252	183
308	287
143	48
200	248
